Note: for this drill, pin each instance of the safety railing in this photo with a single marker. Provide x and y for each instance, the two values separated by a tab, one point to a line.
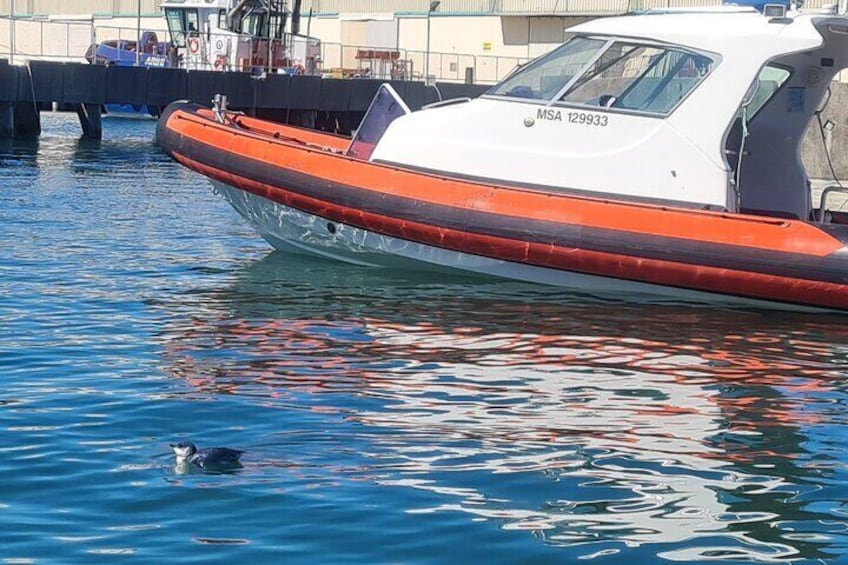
353	61
26	39
827	191
106	32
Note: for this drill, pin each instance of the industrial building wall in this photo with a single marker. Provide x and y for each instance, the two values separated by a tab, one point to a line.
64	7
516	7
335	7
478	39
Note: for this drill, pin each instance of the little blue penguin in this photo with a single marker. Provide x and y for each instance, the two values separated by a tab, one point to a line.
211	457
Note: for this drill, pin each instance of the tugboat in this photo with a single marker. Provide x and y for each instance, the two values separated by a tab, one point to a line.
238	35
652	153
217	35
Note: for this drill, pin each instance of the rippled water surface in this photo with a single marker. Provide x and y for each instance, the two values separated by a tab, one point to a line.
387	416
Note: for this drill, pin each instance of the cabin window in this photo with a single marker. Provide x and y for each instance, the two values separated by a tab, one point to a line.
545	77
192	25
249	21
277	23
253	24
176	26
643	78
769	81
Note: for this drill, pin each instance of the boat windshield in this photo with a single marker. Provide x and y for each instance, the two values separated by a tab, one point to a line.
546	76
610	74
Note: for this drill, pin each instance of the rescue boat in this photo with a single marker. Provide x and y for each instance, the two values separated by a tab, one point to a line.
652	153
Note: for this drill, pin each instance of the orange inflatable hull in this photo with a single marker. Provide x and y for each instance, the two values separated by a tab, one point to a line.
754	257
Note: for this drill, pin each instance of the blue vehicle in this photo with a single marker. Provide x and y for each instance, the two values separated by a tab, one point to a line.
125	53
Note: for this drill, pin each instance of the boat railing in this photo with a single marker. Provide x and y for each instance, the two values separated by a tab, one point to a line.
827	191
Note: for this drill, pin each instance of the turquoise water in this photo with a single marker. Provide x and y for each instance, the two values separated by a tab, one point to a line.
387	417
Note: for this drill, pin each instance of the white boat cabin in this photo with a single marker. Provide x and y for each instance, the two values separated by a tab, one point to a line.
244	35
704	109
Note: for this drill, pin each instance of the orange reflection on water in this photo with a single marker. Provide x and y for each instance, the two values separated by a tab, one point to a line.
603	396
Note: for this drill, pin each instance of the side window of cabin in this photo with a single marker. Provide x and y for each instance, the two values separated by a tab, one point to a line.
254	24
643	78
176	26
769	81
192	22
661	88
543	78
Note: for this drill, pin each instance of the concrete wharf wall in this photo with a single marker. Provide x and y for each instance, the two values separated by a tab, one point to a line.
311	101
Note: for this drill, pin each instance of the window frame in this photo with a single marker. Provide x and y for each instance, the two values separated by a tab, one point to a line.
610	40
790	74
178	36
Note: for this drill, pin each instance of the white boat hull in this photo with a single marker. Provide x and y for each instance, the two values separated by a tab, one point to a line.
294	231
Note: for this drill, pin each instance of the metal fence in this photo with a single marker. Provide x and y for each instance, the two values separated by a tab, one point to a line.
344	61
69	41
28	39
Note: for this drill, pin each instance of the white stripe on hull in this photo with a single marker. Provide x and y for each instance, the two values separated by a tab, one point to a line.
287	229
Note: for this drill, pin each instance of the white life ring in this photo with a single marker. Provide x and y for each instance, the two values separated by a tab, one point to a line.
193	45
219	45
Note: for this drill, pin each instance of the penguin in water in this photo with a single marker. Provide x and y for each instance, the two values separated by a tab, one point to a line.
211	458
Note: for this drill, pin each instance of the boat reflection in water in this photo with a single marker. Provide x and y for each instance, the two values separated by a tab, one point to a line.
692	433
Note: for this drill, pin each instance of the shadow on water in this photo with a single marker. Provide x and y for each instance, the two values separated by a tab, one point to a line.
697	432
99	155
18	151
85	155
92	149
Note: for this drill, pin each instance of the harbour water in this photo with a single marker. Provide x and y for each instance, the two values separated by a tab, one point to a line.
387	416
